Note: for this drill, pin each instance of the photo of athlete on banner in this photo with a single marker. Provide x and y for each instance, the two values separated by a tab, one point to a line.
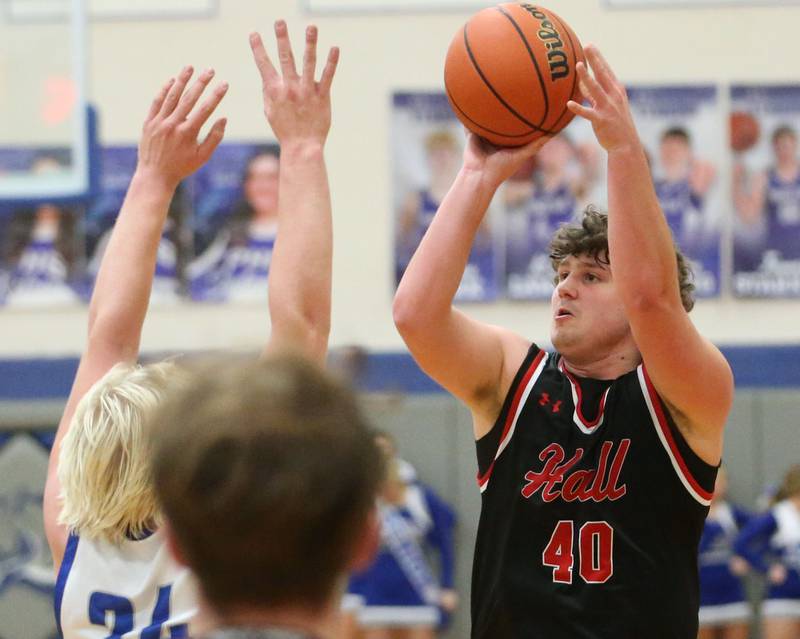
235	198
169	284
683	133
549	191
427	143
40	247
764	125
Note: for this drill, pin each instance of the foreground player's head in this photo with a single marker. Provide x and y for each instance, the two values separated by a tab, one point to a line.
104	460
588	317
267	474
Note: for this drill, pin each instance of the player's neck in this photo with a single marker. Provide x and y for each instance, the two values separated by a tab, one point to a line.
320	624
611	366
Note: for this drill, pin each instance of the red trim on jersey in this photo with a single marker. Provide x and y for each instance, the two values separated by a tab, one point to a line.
578	411
512	411
664	425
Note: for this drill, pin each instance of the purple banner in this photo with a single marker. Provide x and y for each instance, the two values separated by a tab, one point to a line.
427	146
766	190
682	130
235	200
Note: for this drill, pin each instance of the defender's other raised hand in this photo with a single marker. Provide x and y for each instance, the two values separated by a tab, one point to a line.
169	148
297	107
609	112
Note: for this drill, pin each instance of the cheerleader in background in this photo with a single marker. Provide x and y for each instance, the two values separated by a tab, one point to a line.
402	599
724	610
771	544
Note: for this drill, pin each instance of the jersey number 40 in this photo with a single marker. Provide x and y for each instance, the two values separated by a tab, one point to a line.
595	550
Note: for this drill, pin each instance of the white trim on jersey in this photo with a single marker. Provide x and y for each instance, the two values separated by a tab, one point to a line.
687	481
520	406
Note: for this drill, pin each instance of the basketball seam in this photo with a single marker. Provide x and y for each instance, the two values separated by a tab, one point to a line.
545	95
478	124
491	88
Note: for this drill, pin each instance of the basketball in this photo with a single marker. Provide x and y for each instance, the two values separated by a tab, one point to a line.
510	71
744	131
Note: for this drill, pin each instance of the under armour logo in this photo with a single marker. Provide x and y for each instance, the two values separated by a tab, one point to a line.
544	400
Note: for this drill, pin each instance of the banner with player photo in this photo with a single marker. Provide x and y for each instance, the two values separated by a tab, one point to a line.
764	124
235	203
169	284
216	245
552	189
682	129
41	262
427	147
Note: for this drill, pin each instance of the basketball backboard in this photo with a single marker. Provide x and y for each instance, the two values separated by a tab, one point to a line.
44	121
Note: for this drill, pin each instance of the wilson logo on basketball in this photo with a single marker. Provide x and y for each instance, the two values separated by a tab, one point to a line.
556	57
596	484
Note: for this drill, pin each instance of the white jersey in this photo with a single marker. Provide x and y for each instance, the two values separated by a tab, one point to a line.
134	590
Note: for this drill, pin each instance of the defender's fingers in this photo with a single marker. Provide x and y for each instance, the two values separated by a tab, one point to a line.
329	70
310	55
175	92
191	97
264	64
285	55
155	105
212	140
199	117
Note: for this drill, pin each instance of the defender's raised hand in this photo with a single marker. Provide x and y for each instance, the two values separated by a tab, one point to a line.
297	107
169	147
608	112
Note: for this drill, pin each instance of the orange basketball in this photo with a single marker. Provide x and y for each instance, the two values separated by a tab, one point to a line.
510	71
744	131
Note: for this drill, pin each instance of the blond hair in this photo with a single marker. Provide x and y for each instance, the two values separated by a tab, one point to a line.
106	489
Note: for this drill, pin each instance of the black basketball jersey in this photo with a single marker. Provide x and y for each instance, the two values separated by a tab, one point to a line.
592	509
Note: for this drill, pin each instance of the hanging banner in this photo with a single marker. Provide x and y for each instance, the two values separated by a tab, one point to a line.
169	284
565	176
427	146
764	123
682	130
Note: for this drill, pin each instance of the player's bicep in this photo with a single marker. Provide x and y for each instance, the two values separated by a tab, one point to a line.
688	372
